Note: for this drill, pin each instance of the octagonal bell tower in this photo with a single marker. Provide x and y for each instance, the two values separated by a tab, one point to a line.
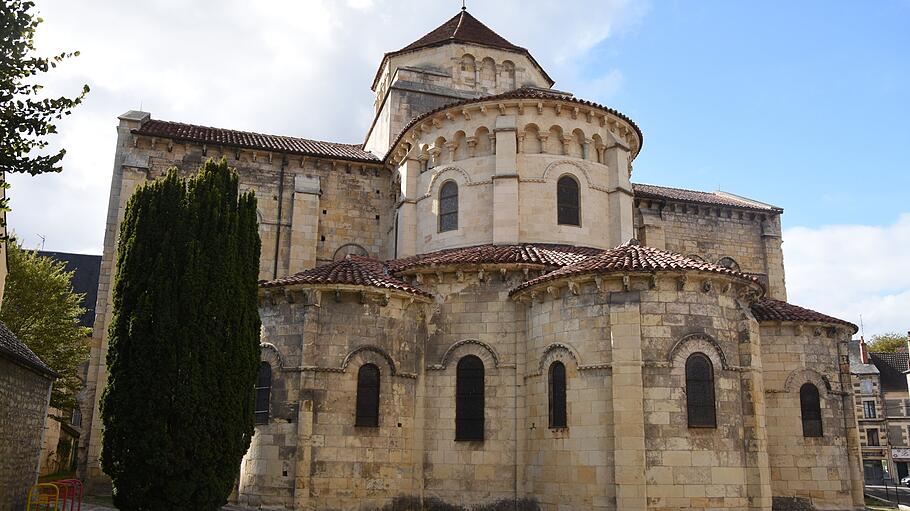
461	59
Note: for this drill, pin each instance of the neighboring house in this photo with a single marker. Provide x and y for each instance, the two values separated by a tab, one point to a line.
883	411
477	308
25	391
61	439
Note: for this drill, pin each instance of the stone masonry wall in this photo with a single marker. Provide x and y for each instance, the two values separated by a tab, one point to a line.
24	396
819	469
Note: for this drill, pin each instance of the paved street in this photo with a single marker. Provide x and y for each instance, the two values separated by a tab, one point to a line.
895	495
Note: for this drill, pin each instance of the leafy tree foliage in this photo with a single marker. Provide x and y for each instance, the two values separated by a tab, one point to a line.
41	308
184	343
26	118
888	342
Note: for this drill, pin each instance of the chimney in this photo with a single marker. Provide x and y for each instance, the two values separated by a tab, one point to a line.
863	352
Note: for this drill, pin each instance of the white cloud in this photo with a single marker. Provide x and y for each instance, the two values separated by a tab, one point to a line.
283	67
852	270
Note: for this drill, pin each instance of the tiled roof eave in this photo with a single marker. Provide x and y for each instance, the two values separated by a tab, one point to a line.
664	199
40	369
417	294
586	276
374	161
806	323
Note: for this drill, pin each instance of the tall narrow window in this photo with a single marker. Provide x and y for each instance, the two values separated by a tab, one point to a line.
869	409
263	391
872	437
469	400
557	395
811	410
367	396
448	207
700	403
567	201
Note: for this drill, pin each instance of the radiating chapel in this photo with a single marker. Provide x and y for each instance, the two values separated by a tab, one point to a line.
476	308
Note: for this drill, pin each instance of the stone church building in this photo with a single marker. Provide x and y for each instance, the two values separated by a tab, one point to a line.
477	307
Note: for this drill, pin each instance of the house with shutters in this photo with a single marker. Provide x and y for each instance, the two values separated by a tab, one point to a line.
475	305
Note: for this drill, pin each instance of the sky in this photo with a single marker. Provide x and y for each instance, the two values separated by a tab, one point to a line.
804	105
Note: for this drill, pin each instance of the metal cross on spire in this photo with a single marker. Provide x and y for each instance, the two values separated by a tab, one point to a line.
463	8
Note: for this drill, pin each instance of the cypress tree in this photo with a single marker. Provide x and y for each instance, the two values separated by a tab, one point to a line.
183	347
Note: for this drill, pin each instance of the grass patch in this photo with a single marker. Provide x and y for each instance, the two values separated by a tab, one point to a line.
876	505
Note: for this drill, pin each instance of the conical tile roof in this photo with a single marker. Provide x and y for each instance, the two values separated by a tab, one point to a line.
462	28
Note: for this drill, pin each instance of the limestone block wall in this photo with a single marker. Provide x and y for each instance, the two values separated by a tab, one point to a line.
24	397
310	453
473	317
690	466
572	466
823	470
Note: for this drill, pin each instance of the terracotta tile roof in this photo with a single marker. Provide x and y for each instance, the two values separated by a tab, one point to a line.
250	140
12	348
768	309
463	28
665	193
353	270
891	367
632	256
540	254
520	93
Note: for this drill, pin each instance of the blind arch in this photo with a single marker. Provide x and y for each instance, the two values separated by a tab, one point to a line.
367	413
263	392
556	380
810	410
448	206
701	407
568	201
469	399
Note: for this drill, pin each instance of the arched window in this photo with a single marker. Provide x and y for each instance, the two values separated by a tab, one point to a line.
263	391
700	404
567	201
728	262
811	410
557	395
469	405
367	396
448	207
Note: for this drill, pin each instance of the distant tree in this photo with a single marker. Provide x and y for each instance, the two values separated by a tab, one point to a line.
888	342
26	119
41	308
184	343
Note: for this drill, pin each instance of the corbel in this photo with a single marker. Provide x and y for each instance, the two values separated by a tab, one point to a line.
527	272
521	108
652	281
289	296
602	120
707	285
573	287
439	276
575	112
255	155
798	329
502	108
589	114
483	109
599	282
532	295
466	114
317	298
503	274
553	291
436	123
681	282
539	108
558	108
152	146
480	275
626	282
611	123
410	301
337	296
450	117
418	279
726	287
817	332
386	298
135	141
362	297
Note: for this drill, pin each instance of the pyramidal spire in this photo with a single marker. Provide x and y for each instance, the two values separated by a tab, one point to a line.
463	28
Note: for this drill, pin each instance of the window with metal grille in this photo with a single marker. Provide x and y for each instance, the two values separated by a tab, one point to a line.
557	395
700	403
568	201
872	437
367	396
811	410
448	207
263	391
869	409
469	399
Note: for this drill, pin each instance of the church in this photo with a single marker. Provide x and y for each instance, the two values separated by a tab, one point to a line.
477	308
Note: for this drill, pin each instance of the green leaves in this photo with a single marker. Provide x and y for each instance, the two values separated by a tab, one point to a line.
40	307
183	342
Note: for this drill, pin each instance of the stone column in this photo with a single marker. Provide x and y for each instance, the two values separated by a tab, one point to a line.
854	457
619	199
130	170
304	223
406	231
505	182
652	228
302	479
628	402
757	466
774	258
